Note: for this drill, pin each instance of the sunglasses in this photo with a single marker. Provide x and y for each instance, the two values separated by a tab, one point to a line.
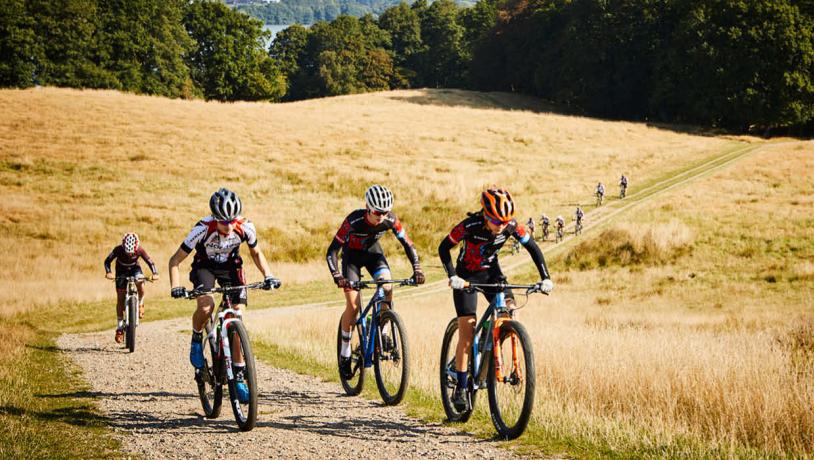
227	222
497	222
378	213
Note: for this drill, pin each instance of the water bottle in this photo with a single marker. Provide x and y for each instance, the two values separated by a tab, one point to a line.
484	335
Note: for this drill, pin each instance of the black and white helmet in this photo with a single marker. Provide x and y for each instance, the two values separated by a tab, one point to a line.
225	205
379	198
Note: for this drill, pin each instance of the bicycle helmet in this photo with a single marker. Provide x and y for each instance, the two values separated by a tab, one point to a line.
225	205
497	204
130	243
379	198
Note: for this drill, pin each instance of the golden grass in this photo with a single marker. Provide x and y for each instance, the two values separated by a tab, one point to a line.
701	354
79	168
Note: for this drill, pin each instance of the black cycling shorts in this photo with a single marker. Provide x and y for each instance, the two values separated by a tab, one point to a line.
466	302
353	261
121	275
204	278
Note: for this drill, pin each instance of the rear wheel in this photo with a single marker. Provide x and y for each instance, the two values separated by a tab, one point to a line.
392	360
511	396
245	411
448	377
132	317
353	385
208	378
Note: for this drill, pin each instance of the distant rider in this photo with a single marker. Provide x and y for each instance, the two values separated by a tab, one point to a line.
127	255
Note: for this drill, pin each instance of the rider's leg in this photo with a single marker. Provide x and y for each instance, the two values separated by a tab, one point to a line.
120	293
466	304
352	305
201	279
140	288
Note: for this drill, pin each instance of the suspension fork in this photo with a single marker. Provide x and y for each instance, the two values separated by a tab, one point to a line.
497	355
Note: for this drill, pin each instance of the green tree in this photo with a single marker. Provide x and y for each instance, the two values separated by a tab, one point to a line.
404	27
17	43
442	61
228	60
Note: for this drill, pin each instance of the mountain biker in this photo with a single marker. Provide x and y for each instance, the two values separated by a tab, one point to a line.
600	191
546	222
579	215
622	185
127	255
483	233
358	238
560	222
216	240
530	225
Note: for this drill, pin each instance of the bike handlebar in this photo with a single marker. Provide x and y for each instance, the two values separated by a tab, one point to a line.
530	288
197	293
369	284
135	278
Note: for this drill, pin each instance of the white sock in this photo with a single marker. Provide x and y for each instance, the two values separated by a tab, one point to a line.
345	350
121	324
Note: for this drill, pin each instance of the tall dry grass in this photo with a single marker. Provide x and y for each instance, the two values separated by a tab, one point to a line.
697	355
80	168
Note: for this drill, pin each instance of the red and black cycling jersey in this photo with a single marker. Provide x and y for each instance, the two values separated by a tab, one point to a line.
125	261
480	247
357	234
214	249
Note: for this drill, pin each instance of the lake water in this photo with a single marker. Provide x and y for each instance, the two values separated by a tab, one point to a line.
274	29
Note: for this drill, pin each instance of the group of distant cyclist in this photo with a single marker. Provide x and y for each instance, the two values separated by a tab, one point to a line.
216	240
579	215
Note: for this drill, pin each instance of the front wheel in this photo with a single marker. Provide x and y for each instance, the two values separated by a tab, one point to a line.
391	361
132	317
511	386
353	385
245	411
208	378
448	377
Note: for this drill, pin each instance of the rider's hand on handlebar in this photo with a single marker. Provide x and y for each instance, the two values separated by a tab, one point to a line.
340	281
178	292
418	275
109	275
271	282
456	282
545	286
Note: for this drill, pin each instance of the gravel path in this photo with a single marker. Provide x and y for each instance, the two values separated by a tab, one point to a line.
151	401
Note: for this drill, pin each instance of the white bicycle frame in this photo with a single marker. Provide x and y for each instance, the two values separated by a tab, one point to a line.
224	337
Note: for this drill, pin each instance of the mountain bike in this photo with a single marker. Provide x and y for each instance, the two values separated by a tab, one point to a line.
578	227
545	232
378	341
224	335
560	233
599	198
622	190
131	303
501	359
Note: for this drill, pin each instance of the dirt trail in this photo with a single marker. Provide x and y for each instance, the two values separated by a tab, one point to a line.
151	402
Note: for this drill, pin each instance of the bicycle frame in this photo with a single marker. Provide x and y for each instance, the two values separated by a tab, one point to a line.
226	315
369	336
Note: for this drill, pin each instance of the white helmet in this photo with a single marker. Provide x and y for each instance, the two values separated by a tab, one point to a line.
130	243
225	205
559	217
379	198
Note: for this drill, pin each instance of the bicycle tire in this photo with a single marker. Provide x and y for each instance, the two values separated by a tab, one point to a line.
245	417
400	355
358	363
500	409
448	385
132	317
209	377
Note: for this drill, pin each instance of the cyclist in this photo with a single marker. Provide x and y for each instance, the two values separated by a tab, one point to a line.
483	234
622	186
358	237
560	222
600	192
579	215
216	240
127	255
530	226
546	222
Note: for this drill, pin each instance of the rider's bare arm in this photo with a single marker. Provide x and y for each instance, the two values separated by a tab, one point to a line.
175	261
260	260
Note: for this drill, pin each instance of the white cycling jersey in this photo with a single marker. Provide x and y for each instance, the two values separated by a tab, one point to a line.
217	248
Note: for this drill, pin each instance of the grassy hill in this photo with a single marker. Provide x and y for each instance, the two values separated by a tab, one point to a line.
681	327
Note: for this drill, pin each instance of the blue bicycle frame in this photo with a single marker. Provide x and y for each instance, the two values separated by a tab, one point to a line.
368	322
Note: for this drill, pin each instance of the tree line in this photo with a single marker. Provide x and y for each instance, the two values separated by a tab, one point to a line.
735	64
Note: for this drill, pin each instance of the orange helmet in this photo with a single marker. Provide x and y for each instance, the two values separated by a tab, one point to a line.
497	204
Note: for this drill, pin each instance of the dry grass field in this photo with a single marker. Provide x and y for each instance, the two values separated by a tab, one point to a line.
686	329
79	168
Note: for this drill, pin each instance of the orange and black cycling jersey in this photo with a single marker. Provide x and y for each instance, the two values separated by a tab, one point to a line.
357	234
480	247
125	261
